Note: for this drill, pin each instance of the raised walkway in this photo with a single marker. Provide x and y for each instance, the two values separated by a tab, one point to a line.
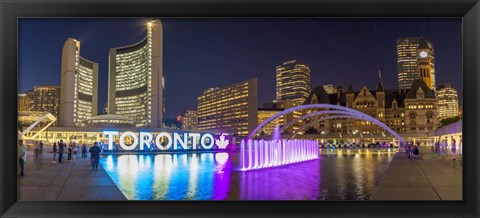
434	176
73	180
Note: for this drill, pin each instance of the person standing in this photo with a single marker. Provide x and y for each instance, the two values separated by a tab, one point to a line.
61	149
95	156
454	150
54	151
40	152
36	150
69	157
77	152
21	156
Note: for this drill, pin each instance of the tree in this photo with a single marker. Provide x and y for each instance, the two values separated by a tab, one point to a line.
311	130
448	121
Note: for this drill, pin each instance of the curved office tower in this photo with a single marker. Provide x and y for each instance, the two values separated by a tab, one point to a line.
79	86
135	79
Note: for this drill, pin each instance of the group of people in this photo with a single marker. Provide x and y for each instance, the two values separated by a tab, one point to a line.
412	151
356	146
72	150
443	146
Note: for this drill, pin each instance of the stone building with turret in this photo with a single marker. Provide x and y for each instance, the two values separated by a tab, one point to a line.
411	112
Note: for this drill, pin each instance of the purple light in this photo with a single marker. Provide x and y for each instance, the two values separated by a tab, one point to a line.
258	154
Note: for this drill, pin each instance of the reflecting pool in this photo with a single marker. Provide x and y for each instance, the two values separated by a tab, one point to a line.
336	175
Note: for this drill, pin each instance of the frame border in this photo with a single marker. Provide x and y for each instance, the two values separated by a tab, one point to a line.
10	10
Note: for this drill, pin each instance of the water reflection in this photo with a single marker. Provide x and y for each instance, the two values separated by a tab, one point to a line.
336	175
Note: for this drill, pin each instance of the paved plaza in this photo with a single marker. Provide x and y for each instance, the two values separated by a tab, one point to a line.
72	180
434	176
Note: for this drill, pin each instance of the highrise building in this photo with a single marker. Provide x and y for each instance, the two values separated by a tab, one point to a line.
23	102
79	86
135	88
234	106
190	119
415	60
447	102
293	81
45	98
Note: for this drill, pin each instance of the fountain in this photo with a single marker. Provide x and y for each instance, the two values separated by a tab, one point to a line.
258	154
276	133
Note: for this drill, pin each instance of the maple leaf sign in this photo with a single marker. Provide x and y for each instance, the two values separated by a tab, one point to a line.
222	143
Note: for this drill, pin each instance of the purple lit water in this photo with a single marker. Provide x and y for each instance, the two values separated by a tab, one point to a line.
276	133
336	175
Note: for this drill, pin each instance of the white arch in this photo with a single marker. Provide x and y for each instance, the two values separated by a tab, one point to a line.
333	112
357	114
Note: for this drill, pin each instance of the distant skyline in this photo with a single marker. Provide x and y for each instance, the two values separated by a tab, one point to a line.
204	53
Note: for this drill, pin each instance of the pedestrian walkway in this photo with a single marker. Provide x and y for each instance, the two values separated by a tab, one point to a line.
434	176
72	180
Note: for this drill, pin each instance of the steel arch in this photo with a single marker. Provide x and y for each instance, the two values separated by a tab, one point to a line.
357	114
312	115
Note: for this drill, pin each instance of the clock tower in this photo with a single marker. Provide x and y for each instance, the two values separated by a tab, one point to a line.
425	64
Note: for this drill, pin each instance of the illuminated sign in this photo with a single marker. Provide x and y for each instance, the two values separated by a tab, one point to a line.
164	140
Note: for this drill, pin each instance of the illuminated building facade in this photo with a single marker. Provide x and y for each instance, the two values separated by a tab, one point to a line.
447	100
293	81
23	102
411	112
420	108
44	99
415	60
234	106
136	79
265	113
269	109
79	86
190	119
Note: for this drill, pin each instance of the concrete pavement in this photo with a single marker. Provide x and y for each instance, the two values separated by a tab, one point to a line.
73	181
434	176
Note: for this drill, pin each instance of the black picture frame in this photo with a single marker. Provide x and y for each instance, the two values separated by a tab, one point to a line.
10	10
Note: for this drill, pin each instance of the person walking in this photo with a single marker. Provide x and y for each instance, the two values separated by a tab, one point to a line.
21	156
61	149
54	151
84	151
95	156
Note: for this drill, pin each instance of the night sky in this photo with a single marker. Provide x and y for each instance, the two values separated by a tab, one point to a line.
203	53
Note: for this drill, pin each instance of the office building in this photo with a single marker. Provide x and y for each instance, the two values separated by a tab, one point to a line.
447	100
45	99
234	106
79	86
264	114
23	102
190	119
415	60
135	87
293	81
